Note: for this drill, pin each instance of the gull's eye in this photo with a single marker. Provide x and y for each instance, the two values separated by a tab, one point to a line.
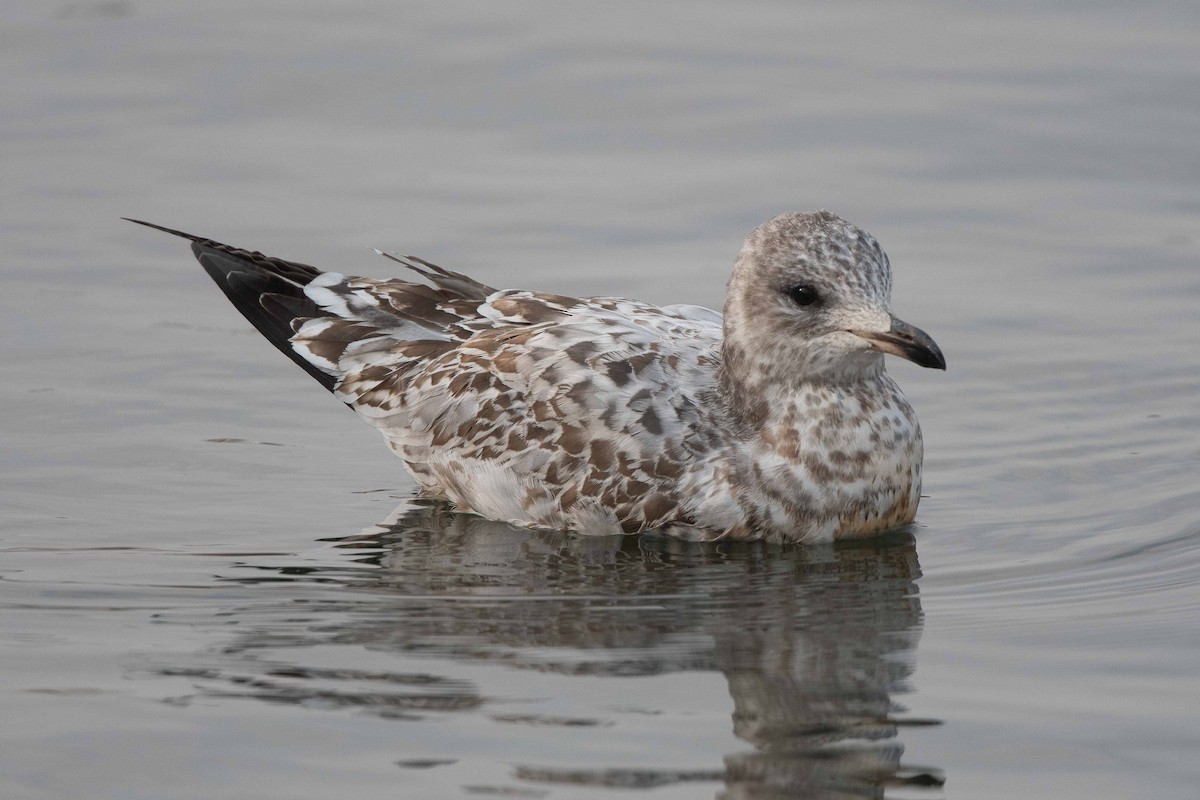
802	295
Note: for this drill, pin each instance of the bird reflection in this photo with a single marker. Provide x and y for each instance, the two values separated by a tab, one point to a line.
814	642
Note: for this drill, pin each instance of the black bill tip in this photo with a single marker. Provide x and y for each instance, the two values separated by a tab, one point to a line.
907	341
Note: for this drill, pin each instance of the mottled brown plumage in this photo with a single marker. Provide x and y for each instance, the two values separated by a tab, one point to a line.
605	415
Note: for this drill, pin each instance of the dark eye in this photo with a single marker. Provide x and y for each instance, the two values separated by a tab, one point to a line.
802	295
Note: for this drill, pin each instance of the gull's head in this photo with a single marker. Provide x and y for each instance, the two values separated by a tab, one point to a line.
810	297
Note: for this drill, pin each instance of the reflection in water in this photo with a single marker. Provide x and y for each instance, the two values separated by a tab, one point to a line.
812	641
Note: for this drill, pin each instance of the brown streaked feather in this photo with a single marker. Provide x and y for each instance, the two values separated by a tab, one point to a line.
455	283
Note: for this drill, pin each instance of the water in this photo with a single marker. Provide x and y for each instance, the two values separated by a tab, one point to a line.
214	582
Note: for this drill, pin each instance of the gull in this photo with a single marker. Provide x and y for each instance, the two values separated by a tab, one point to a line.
774	420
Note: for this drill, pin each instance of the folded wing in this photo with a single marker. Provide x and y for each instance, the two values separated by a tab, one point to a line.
534	407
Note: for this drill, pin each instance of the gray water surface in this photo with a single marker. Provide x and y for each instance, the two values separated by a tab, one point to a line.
216	583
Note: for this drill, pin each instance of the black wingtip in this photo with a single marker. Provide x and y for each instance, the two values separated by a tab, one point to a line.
250	278
171	231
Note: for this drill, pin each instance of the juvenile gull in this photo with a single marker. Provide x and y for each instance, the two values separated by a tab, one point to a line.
603	415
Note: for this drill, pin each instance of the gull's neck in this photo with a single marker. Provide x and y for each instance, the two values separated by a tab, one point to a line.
764	383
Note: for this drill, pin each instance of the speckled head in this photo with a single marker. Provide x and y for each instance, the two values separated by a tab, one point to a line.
840	260
810	299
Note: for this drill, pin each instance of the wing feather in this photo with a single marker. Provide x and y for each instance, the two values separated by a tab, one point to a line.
535	407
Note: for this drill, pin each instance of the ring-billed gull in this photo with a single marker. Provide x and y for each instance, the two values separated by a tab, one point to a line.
603	415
